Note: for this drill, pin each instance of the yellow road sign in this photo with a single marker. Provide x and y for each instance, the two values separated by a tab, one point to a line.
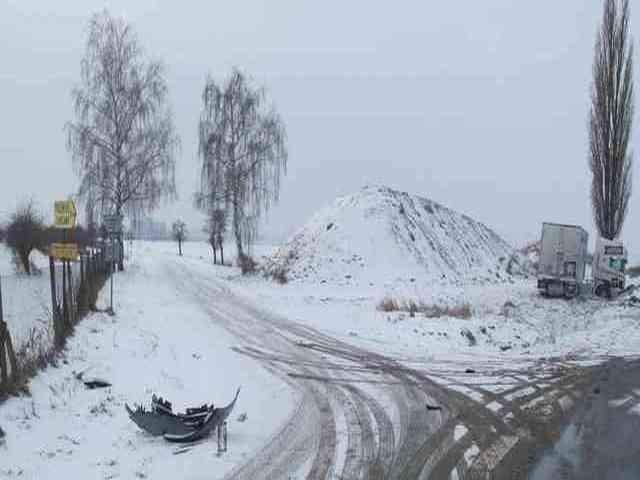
64	214
64	251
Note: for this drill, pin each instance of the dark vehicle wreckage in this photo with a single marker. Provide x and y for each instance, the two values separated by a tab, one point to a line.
195	424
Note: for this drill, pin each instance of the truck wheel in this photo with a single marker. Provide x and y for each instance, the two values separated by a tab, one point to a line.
603	291
569	291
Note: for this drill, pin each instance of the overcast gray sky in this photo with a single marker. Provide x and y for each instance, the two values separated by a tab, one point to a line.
480	105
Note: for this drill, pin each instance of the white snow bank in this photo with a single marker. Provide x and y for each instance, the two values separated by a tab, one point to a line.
383	237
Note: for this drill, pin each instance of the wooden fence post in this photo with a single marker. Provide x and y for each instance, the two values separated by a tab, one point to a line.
6	351
55	310
10	352
72	295
4	374
65	312
1	312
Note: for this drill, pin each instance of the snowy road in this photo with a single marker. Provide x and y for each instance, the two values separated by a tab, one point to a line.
318	407
364	415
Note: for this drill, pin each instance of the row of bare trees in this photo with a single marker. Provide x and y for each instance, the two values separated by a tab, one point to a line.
124	144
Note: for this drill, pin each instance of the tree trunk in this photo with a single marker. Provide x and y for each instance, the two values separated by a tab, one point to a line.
221	255
65	311
215	254
180	247
4	373
11	354
24	258
237	230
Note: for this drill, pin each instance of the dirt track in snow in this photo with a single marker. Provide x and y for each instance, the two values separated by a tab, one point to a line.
364	415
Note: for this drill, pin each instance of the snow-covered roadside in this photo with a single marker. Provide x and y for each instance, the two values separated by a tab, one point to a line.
508	321
160	342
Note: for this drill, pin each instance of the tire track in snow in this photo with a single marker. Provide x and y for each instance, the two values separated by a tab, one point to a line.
381	464
316	364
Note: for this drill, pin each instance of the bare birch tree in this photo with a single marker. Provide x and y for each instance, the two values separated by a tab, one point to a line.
242	144
611	120
123	142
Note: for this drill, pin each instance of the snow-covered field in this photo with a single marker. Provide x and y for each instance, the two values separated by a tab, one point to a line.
6	265
26	299
508	319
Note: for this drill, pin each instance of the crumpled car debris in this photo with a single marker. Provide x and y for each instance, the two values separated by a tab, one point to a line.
194	424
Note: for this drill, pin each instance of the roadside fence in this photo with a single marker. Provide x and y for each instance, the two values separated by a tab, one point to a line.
41	310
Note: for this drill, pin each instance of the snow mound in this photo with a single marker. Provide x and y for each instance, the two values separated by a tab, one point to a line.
379	236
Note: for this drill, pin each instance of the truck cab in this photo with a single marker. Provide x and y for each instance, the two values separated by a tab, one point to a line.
608	267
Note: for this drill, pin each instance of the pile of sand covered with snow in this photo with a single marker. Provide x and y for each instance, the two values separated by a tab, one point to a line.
382	237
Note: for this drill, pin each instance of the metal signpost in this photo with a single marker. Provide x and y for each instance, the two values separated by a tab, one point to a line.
113	225
64	218
64	214
66	252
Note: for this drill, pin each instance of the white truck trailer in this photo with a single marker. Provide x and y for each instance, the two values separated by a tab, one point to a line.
608	267
563	259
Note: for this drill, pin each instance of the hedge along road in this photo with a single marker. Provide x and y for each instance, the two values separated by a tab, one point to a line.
364	415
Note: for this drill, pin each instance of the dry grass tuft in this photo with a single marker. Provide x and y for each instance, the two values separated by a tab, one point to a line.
412	307
247	264
35	354
280	276
389	305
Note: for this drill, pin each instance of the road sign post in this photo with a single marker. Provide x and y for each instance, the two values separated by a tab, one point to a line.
64	218
113	225
64	214
66	252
